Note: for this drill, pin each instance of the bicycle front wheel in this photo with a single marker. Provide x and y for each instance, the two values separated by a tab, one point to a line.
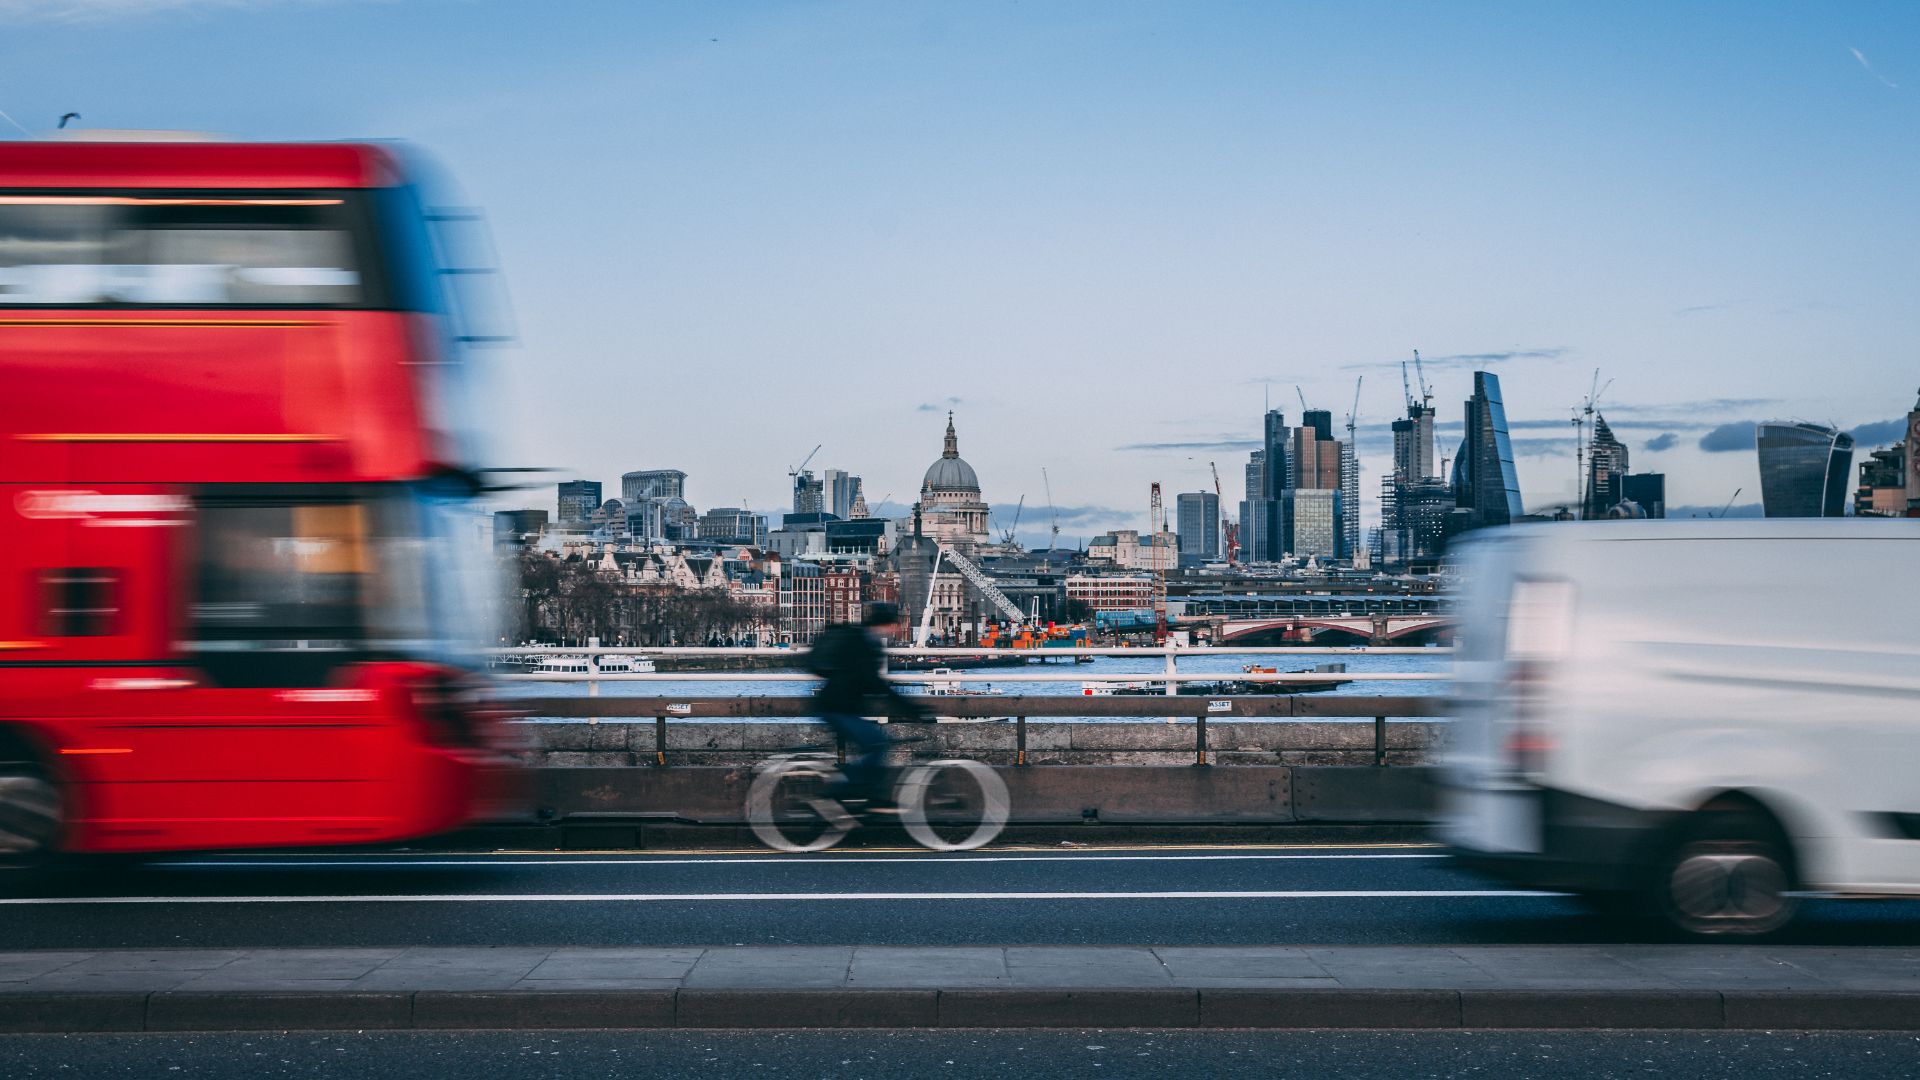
954	805
789	810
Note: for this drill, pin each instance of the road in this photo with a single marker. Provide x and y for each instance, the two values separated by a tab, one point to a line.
879	1055
1156	896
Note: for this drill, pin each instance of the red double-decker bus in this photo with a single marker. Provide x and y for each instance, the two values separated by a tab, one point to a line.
237	566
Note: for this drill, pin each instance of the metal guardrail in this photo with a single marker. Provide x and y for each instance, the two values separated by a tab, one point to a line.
1170	705
1170	677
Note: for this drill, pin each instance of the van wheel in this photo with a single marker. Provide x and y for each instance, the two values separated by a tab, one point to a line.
1729	877
32	814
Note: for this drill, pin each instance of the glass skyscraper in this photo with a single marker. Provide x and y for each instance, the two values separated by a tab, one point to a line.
1484	480
1805	469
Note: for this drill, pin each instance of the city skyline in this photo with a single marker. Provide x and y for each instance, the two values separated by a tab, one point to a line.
1103	234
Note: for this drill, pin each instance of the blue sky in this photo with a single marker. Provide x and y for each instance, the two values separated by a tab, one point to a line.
1102	232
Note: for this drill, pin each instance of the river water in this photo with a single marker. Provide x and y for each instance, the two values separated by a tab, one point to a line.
1102	667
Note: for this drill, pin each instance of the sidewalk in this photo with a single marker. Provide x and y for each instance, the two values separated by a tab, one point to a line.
1624	986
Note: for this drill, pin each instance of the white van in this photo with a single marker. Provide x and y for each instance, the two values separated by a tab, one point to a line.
1706	719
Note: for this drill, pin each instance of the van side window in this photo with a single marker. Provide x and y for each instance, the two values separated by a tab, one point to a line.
79	601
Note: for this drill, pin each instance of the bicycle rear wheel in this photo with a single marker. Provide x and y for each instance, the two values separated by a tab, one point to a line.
954	805
789	810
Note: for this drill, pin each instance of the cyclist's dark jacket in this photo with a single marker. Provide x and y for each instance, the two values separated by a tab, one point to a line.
850	659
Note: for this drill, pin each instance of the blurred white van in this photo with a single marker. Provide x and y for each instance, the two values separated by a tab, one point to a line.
1704	720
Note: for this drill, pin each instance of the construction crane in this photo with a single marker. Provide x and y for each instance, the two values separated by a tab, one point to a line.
1156	515
1303	400
795	472
1420	371
1581	419
1352	483
1006	536
1054	540
1406	388
1229	532
1729	506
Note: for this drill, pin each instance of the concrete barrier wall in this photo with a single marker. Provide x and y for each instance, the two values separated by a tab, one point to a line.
1230	743
1041	795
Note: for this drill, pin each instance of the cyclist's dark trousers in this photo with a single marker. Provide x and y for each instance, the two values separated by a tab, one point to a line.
866	768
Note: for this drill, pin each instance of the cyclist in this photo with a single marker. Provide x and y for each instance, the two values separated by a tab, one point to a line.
852	660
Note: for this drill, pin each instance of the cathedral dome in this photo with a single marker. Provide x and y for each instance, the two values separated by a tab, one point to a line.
950	473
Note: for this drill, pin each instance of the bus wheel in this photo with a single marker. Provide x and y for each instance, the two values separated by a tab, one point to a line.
1729	877
31	815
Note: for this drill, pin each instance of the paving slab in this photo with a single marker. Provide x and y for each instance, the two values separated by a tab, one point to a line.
799	967
1754	987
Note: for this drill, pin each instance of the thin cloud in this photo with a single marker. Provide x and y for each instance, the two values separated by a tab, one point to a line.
1201	444
1886	431
1864	63
938	406
1665	441
85	11
1727	438
1479	359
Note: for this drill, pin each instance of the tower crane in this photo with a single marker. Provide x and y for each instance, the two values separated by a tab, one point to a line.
1054	540
1581	419
798	469
1006	537
1303	399
1229	531
1420	371
1406	388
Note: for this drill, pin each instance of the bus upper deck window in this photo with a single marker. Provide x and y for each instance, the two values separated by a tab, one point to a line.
182	250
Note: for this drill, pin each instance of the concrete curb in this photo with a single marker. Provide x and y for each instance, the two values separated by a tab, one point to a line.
1226	1007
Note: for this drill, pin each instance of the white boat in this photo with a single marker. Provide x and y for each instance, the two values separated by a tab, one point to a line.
581	664
1100	689
951	687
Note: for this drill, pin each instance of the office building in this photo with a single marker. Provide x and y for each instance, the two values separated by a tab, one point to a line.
1253	509
1883	483
808	494
1197	523
1485	484
1805	469
840	491
1648	491
1313	515
733	525
637	487
1413	443
518	528
578	500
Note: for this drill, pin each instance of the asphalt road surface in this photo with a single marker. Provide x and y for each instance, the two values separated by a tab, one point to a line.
1155	896
881	1055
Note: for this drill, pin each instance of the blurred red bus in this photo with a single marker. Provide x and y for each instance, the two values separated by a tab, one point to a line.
236	552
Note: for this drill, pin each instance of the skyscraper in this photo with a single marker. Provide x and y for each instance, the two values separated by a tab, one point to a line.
1413	443
839	490
1606	464
1197	522
578	500
1253	509
808	494
1805	469
1484	481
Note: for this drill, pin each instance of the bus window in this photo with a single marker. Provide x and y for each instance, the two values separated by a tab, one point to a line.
79	601
189	250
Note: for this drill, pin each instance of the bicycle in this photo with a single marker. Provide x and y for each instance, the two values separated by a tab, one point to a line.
789	809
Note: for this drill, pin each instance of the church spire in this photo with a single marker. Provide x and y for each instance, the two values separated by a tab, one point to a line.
953	441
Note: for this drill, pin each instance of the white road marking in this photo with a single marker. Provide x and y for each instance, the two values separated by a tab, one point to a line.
643	898
770	859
